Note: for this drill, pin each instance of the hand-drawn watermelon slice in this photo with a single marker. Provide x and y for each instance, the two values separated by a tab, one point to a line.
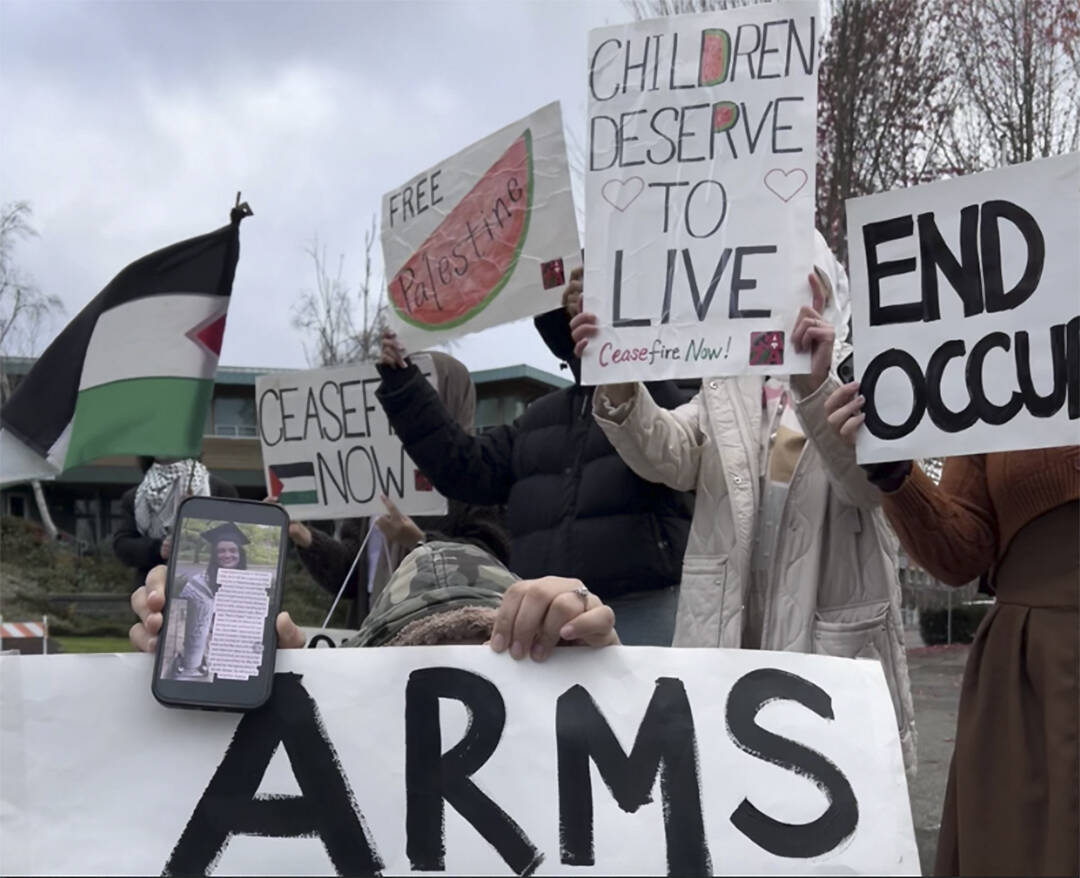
464	264
715	56
724	115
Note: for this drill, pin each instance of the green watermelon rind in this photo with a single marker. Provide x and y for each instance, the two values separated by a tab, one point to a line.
502	282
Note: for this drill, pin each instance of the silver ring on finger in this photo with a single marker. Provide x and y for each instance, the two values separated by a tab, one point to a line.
582	592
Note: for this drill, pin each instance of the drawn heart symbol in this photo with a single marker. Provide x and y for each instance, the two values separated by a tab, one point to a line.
785	185
623	193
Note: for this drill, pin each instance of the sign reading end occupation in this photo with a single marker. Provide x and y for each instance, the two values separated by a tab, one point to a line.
966	313
328	449
699	192
487	236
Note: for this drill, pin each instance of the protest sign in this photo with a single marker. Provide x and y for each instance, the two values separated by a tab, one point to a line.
966	316
327	447
324	638
699	192
622	761
485	237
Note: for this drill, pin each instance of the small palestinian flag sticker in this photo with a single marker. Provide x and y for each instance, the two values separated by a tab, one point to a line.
293	484
766	348
552	274
422	482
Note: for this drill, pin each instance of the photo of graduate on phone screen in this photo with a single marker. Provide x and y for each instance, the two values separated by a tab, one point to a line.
219	600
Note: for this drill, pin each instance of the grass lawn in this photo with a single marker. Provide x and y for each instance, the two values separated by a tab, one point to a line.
94	644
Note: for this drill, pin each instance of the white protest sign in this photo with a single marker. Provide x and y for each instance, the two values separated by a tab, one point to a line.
622	761
966	313
485	237
699	192
327	447
326	638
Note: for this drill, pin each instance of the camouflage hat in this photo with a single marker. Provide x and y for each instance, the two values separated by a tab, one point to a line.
433	578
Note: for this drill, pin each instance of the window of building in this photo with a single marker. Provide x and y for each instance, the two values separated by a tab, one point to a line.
235	416
16	505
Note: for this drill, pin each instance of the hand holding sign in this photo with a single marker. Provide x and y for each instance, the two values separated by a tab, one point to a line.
298	531
398	527
572	295
815	335
536	614
393	351
844	410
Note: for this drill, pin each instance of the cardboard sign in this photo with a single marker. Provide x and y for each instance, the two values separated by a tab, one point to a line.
966	315
485	237
699	192
622	761
326	638
327	447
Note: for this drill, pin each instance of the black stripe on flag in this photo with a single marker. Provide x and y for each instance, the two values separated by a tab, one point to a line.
292	470
44	402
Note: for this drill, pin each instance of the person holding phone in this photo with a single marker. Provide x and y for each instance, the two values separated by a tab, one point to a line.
227	543
443	593
788	547
1011	804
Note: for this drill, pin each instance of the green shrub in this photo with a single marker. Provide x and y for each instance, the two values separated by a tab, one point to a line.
966	618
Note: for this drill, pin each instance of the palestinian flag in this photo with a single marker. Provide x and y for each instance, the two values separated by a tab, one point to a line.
293	483
133	373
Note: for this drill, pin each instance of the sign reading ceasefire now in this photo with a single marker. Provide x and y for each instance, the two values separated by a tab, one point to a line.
328	449
453	759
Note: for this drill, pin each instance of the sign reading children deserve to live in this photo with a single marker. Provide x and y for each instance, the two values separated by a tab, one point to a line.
327	447
699	192
485	237
966	313
454	760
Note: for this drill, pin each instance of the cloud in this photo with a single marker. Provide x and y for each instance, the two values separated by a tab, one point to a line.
130	126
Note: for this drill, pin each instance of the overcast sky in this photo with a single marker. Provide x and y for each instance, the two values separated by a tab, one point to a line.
131	125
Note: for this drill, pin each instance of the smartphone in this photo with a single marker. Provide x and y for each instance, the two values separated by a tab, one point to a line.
217	644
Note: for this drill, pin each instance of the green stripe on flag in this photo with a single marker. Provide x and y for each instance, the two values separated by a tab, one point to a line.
298	498
163	417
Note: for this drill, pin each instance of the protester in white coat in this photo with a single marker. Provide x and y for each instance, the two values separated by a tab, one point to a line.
788	549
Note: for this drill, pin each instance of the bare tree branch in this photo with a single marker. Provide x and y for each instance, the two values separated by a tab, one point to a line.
24	308
327	315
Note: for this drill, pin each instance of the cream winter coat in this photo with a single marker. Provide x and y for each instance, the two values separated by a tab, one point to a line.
832	587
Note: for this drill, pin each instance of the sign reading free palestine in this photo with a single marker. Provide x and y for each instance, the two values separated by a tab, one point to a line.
487	236
699	192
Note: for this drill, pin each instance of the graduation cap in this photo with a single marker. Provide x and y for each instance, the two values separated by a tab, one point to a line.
226	531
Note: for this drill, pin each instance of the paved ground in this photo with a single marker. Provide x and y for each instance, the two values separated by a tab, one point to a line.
936	672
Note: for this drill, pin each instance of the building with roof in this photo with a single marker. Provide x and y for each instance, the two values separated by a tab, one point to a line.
85	501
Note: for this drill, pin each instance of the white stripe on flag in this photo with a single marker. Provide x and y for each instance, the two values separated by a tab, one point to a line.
146	338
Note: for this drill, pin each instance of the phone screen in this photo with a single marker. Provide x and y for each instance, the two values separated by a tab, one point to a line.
216	648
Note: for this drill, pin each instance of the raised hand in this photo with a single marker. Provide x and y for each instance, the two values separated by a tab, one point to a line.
392	352
815	334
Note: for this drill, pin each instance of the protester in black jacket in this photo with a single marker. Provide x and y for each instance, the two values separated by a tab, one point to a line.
574	508
145	544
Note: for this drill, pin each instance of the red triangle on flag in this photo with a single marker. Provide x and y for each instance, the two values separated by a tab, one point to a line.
276	486
210	333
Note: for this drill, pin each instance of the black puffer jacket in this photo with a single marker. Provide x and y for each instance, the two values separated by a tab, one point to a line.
573	507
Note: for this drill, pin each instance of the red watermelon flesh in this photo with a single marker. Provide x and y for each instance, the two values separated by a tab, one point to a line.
715	56
468	259
725	114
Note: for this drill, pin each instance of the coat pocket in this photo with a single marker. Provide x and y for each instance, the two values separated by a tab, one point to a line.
865	637
704	614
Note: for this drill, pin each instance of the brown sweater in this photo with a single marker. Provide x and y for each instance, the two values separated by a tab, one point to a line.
959	530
